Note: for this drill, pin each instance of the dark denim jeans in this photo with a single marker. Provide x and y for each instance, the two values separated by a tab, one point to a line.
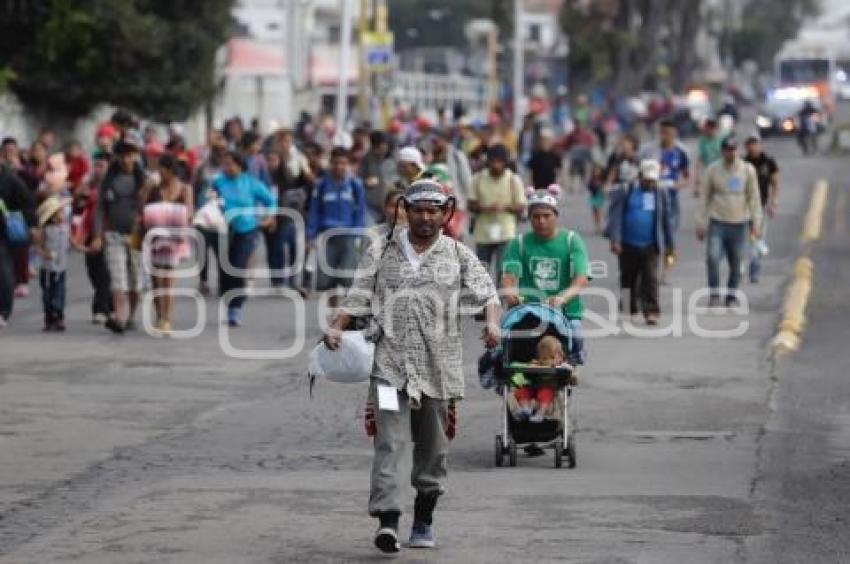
7	279
342	255
729	239
98	274
675	216
52	295
280	251
239	250
211	243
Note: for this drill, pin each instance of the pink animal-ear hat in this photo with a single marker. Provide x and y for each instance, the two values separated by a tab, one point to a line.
548	197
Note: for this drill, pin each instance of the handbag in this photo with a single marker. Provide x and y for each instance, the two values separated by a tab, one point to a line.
17	232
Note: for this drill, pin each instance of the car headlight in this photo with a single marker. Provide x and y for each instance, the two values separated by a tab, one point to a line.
764	122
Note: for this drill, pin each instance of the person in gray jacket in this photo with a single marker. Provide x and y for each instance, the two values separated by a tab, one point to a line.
378	171
457	164
639	225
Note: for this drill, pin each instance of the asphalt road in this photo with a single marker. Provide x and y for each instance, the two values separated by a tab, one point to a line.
691	449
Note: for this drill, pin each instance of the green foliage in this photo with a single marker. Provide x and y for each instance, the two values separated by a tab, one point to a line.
155	57
766	25
595	42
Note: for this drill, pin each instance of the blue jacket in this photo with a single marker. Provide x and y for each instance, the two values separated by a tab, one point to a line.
243	192
617	213
336	204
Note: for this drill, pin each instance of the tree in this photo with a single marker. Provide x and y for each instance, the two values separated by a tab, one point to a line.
766	25
622	43
154	57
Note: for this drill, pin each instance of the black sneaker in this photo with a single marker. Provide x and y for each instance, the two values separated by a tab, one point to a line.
732	302
386	539
114	326
714	301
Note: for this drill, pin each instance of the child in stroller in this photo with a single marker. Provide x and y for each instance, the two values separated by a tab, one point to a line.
531	402
534	339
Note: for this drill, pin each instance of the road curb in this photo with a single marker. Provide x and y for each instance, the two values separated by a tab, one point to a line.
793	320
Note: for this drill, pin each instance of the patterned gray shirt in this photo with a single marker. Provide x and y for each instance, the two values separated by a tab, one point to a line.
57	241
415	313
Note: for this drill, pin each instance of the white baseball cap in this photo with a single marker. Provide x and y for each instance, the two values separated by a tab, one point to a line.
411	155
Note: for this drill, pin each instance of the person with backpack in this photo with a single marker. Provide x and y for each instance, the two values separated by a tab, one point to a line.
337	202
17	227
548	264
116	228
640	225
498	200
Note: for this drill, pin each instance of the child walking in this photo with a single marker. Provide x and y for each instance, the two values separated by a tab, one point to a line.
54	247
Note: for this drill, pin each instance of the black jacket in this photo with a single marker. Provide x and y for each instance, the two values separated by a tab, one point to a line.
17	197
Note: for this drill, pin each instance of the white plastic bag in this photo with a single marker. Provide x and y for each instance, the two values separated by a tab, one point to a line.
210	217
349	364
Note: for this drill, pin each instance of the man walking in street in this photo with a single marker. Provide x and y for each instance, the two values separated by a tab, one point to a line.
768	176
729	212
410	286
15	198
378	171
639	224
498	199
115	228
544	162
708	148
460	172
675	174
338	202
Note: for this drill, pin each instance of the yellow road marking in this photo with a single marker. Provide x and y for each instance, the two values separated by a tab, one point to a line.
797	297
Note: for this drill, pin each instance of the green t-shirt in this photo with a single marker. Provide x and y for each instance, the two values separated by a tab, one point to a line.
548	267
709	149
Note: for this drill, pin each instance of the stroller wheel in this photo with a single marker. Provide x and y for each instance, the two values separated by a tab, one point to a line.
571	451
511	452
559	453
499	451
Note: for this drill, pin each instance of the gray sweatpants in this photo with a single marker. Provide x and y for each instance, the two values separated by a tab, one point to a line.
426	428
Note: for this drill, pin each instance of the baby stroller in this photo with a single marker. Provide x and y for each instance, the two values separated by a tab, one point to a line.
522	328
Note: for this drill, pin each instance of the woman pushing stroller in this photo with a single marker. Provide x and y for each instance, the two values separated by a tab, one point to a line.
549	265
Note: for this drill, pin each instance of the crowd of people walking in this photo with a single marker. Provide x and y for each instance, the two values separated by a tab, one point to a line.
140	180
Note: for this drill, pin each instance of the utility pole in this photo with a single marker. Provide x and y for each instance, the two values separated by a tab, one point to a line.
364	75
344	63
492	67
519	63
382	90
